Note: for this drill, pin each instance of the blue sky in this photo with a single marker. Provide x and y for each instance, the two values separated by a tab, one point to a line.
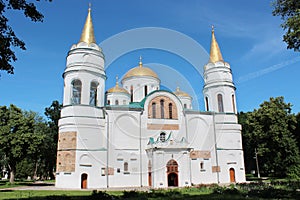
249	36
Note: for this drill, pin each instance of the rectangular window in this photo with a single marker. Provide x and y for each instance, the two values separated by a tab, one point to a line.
103	171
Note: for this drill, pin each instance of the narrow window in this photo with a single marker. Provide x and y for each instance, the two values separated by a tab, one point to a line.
108	102
93	93
162	114
220	103
76	92
146	90
125	166
153	110
162	137
233	103
103	171
131	93
201	165
117	102
170	110
206	102
184	105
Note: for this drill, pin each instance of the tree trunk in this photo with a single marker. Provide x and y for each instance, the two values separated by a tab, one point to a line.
12	176
12	172
35	171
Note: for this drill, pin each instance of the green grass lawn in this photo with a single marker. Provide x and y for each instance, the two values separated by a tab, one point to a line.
258	190
25	194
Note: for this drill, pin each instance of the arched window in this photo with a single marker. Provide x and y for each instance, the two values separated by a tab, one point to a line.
108	102
170	111
162	113
125	166
206	102
117	102
131	93
233	103
184	106
76	92
153	110
146	90
162	137
220	103
93	93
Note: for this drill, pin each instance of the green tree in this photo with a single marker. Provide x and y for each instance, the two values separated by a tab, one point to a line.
8	38
18	140
289	11
297	130
247	142
269	131
53	114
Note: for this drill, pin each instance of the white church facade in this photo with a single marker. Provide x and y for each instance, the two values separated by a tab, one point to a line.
137	135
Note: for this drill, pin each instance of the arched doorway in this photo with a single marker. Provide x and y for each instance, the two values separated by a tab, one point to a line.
172	173
232	175
84	181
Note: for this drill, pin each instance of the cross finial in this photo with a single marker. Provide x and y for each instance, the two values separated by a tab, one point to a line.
212	28
90	6
141	63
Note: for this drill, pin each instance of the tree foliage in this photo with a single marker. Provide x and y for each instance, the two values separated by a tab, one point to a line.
269	130
289	11
53	114
8	38
18	138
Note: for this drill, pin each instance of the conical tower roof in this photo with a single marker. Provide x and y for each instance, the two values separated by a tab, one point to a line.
87	34
215	53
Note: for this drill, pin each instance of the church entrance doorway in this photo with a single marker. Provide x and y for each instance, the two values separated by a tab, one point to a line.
84	181
172	180
232	175
172	173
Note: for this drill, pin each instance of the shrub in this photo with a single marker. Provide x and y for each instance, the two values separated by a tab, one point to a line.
100	195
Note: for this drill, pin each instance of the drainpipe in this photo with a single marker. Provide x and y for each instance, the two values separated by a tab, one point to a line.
107	148
141	165
187	138
215	139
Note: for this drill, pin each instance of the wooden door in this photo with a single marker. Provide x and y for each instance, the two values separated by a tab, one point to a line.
150	179
83	181
232	175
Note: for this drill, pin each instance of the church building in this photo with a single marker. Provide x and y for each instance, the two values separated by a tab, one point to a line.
138	135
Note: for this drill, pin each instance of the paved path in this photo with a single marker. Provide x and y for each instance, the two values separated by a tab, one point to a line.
47	186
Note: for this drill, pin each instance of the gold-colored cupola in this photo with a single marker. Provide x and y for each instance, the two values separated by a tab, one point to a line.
215	53
87	34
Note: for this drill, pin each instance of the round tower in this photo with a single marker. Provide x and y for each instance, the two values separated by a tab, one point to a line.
219	90
117	95
184	97
82	136
84	76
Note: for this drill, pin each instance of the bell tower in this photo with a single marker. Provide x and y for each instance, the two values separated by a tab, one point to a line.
84	76
219	89
82	141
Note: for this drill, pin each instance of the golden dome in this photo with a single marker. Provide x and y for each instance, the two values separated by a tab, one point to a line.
117	89
180	93
140	71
